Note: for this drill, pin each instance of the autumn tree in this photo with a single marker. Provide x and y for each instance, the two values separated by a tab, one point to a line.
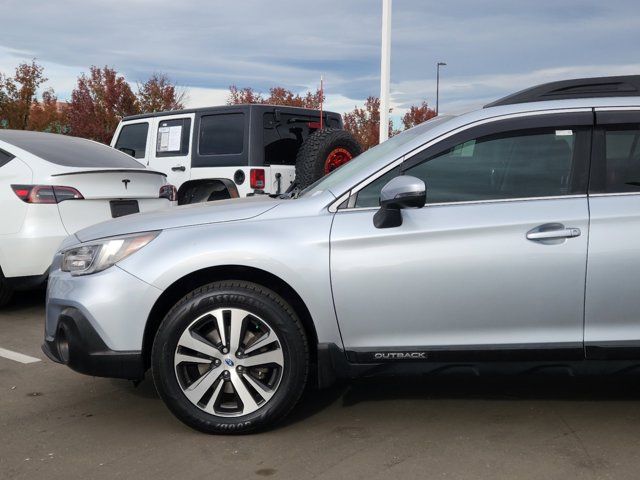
98	103
239	96
18	93
47	115
417	115
159	94
364	123
277	96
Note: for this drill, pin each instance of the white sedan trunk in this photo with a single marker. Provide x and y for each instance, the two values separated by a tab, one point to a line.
109	194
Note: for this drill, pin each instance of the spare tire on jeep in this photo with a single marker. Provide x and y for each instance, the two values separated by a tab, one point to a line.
322	152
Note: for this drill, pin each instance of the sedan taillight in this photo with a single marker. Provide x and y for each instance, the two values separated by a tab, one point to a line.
45	193
169	192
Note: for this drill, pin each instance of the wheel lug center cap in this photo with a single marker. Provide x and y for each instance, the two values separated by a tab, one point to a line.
229	362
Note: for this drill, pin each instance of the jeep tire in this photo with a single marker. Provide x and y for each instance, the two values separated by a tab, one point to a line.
322	152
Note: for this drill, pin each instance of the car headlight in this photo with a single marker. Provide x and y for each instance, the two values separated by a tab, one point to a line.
99	255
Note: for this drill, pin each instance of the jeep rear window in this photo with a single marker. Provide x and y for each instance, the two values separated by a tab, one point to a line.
284	133
221	134
133	139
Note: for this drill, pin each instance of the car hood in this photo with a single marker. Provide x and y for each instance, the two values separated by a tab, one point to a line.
186	215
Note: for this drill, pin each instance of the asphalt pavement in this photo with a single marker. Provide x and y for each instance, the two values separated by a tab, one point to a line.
57	424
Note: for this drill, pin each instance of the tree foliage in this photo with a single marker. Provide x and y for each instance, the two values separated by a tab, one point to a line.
103	97
98	103
159	94
364	123
48	115
18	93
277	96
417	115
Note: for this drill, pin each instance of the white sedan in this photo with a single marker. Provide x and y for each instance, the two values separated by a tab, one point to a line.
54	185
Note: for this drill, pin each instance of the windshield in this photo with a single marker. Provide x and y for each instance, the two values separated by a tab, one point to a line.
362	161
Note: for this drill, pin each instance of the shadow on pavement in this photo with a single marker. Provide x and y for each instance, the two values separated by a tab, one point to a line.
27	299
503	387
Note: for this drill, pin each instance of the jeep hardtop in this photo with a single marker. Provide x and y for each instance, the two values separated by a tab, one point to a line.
229	151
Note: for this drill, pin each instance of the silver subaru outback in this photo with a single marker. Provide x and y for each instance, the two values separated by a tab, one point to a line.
505	236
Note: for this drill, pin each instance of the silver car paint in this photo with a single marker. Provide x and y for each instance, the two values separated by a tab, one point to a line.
184	215
115	303
460	275
613	280
290	239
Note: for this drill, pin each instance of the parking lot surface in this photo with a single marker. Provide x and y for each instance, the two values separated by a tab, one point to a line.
57	424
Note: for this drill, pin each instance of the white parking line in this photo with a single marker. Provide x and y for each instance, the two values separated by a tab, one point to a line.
17	357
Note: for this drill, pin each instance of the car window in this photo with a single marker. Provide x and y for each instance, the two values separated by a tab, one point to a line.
133	139
283	134
508	165
622	158
374	156
173	137
221	134
5	157
68	151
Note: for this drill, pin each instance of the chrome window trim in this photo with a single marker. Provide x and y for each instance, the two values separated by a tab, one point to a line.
478	202
617	109
613	194
333	207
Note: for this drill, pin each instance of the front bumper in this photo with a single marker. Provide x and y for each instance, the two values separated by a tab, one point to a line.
95	323
77	345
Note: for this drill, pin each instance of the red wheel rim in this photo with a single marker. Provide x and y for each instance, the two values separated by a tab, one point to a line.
338	156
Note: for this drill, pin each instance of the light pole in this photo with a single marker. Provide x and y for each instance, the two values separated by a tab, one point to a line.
385	68
438	65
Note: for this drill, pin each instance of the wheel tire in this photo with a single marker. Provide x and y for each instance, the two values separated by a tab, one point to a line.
6	292
315	154
262	304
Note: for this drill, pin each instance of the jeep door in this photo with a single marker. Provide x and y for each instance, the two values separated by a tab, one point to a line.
169	151
612	316
493	265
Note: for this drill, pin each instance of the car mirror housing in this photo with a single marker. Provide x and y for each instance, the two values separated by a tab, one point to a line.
399	193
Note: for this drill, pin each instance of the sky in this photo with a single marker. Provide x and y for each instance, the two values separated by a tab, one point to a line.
491	47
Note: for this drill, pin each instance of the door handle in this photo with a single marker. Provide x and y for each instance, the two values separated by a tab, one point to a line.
552	231
180	168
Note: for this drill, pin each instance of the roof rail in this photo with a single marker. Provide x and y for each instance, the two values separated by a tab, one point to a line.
621	86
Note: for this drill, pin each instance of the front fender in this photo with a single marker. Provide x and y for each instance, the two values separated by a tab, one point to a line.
296	252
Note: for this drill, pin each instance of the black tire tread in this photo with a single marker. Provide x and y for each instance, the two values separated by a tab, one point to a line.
258	290
310	161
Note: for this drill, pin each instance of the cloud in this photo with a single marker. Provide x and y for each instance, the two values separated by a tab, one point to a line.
492	47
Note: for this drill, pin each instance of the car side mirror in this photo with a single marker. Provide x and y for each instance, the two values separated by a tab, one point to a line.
400	192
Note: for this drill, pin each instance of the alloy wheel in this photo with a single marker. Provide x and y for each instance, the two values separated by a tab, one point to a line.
229	362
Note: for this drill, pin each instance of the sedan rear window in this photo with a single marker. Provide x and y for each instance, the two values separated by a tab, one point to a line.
68	151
